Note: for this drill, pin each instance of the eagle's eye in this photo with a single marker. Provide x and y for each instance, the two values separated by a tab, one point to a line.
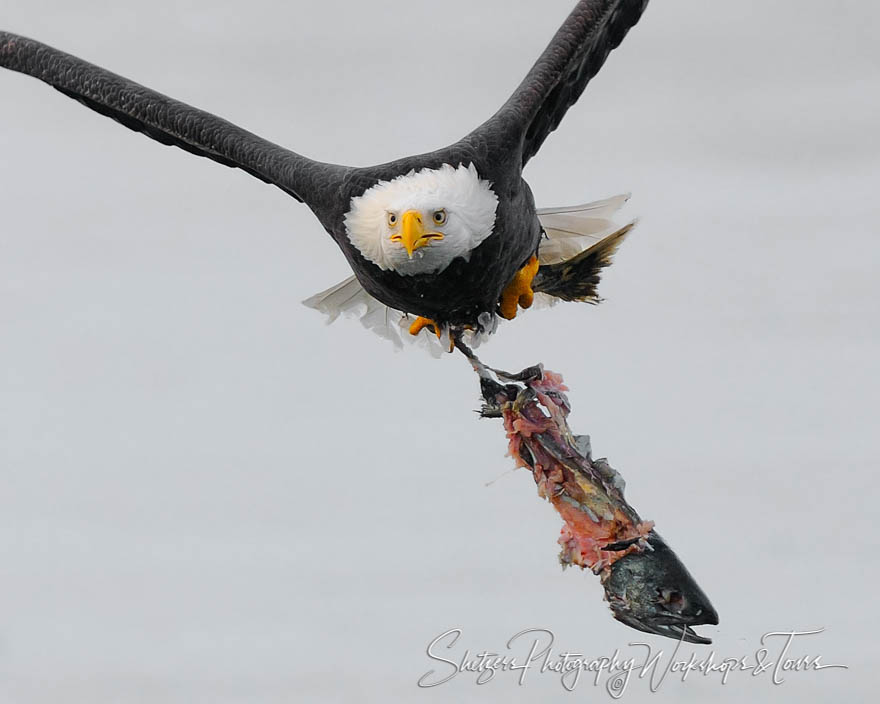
439	217
392	219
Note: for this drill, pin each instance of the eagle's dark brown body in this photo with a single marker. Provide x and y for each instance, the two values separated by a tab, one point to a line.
466	288
499	149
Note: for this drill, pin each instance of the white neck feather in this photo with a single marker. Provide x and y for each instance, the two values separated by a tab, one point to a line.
469	203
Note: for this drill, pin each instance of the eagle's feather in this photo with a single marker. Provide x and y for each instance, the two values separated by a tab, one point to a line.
579	243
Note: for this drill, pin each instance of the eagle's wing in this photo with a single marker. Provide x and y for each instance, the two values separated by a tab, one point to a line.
556	81
167	120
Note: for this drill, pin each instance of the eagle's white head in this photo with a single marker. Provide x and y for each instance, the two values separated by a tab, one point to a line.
418	223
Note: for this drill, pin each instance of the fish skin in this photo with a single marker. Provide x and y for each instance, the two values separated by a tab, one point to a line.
646	585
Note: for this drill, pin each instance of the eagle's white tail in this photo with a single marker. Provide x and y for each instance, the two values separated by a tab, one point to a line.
574	229
571	230
350	299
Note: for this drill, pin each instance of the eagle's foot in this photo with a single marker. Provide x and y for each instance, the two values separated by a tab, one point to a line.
519	291
420	323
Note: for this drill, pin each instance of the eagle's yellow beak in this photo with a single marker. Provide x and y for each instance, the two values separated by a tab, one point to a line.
412	232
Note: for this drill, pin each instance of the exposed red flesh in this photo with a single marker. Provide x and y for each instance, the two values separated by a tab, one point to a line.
591	506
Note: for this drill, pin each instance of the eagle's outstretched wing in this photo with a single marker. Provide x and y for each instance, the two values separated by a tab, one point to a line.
167	120
556	81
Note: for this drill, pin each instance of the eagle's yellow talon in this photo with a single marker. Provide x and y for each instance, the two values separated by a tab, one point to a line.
420	323
519	291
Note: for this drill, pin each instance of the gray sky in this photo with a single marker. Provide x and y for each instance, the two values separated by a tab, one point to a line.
209	495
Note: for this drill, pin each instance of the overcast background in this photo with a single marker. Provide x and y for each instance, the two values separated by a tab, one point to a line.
208	495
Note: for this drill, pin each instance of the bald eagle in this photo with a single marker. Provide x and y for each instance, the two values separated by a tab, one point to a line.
444	242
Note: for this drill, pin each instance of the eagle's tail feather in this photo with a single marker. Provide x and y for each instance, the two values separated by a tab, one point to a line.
349	298
580	241
577	278
346	296
573	229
